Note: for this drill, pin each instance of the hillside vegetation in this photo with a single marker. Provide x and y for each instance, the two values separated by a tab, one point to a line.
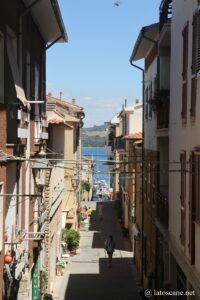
94	136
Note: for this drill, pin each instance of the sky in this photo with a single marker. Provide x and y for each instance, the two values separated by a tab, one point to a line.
93	67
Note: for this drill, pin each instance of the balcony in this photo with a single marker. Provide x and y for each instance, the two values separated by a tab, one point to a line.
120	144
165	12
162	209
163	115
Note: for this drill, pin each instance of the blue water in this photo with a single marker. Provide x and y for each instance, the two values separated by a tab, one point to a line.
98	153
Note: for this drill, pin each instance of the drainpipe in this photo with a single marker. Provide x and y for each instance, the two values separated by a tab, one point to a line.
143	134
143	87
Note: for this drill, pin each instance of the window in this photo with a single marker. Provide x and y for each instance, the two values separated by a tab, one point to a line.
146	103
191	244
182	196
196	44
196	187
150	98
195	61
184	73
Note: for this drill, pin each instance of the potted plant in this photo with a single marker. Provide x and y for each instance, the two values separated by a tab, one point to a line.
60	265
47	296
72	238
44	280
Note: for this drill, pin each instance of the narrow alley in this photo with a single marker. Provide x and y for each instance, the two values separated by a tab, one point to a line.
87	275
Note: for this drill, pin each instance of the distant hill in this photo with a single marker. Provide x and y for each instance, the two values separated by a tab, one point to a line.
94	136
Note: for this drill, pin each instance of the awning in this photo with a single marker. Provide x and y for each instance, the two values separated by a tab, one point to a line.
15	71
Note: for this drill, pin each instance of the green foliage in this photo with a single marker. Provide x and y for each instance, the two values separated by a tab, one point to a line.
71	237
47	297
93	141
94	136
85	186
94	190
44	280
95	128
60	264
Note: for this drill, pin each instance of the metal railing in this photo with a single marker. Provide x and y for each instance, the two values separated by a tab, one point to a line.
162	209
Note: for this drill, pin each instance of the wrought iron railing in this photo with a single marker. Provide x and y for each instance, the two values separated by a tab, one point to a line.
162	209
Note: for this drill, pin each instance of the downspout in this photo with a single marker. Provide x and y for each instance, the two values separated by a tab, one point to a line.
143	154
142	229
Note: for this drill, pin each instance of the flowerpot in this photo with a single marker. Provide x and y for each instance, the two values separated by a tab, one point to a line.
72	253
7	259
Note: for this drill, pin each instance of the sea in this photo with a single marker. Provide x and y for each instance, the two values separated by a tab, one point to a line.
98	154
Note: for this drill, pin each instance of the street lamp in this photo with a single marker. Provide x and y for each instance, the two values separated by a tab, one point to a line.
40	174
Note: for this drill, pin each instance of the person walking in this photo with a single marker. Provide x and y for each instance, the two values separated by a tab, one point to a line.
111	193
89	213
100	194
110	248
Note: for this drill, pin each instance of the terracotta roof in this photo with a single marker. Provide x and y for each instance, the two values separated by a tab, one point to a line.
135	135
138	142
56	120
63	103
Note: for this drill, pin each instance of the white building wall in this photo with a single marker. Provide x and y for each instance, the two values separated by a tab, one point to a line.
150	138
182	136
135	119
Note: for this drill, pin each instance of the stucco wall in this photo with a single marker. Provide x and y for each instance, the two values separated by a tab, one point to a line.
150	124
182	136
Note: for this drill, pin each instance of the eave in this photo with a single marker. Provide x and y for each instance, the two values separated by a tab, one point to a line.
144	42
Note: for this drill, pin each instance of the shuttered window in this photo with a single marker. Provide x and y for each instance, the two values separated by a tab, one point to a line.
184	73
191	244
146	102
193	97
195	62
183	196
150	98
196	192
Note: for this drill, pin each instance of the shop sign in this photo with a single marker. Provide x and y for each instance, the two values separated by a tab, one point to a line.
35	281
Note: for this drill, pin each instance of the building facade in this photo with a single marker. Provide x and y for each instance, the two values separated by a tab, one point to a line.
170	153
23	44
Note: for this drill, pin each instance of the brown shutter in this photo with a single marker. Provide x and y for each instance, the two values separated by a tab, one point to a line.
150	98
146	102
184	100
193	97
185	51
198	42
184	74
197	188
183	197
194	44
194	66
191	211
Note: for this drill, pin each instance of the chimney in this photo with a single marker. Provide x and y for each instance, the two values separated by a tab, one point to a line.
137	101
74	101
125	103
60	95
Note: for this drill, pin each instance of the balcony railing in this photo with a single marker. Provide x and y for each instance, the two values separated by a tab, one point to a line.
165	12
163	115
162	209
